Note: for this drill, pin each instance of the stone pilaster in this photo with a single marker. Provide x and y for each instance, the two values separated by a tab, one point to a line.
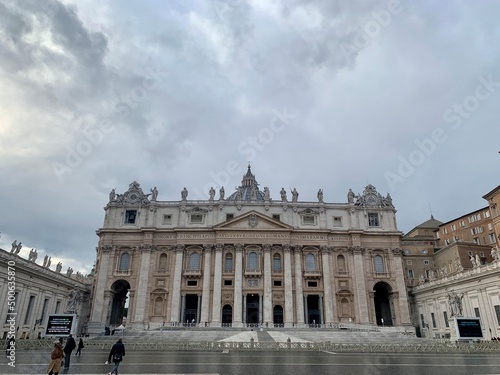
288	287
299	292
361	295
397	266
205	301
327	285
140	315
268	301
176	287
238	285
99	310
217	294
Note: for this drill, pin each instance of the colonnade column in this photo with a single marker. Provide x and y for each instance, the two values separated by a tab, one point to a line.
299	293
216	302
288	288
362	297
238	284
268	308
205	301
176	287
327	285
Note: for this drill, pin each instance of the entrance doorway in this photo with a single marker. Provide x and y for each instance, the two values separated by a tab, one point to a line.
383	311
227	315
119	290
278	316
191	309
313	311
252	313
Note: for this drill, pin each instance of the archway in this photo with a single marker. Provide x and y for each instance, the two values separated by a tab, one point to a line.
383	311
119	289
227	314
278	316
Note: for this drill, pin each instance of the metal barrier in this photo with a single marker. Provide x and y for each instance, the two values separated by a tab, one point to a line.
437	347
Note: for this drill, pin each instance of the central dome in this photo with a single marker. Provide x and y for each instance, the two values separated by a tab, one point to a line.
249	189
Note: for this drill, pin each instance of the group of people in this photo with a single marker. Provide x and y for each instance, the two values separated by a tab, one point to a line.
60	356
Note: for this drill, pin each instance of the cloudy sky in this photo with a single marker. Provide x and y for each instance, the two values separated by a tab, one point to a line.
331	94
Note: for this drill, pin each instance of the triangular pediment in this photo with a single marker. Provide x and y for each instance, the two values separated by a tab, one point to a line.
253	220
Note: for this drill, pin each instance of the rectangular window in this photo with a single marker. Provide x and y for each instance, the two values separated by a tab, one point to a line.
490	226
453	227
486	214
276	217
410	274
228	282
192	282
373	220
337	221
422	320
476	312
130	216
433	318
462	223
44	309
492	237
497	312
229	216
58	307
308	220
277	282
27	317
196	218
167	219
424	251
494	209
446	323
426	262
476	240
312	284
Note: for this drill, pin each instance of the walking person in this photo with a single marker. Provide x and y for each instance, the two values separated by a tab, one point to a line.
116	355
68	348
56	357
80	347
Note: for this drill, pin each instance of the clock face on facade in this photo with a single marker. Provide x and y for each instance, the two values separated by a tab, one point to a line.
133	197
371	199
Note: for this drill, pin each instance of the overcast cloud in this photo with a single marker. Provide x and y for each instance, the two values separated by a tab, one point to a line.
315	94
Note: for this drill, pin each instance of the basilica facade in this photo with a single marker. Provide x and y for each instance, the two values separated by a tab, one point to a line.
248	260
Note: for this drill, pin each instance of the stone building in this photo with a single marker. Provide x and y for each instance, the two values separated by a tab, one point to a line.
248	260
34	291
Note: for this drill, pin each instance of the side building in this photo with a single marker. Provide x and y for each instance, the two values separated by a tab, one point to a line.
248	260
35	291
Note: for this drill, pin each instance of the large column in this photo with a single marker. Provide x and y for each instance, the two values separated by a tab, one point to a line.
200	299
299	294
327	285
361	296
288	287
99	309
268	300
140	316
176	287
403	307
183	308
260	308
238	285
306	309
205	300
217	294
321	315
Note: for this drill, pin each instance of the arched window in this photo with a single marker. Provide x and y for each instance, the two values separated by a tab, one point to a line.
341	263
345	308
124	262
162	264
252	260
228	264
194	261
378	262
310	262
276	262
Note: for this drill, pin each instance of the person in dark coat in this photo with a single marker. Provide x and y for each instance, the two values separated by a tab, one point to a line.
116	355
68	349
80	347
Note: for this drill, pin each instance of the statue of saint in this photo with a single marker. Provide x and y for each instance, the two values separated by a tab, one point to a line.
14	246
184	194
154	194
112	195
211	193
320	195
69	271
267	195
283	195
45	260
222	193
74	300
350	196
59	267
48	262
295	195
